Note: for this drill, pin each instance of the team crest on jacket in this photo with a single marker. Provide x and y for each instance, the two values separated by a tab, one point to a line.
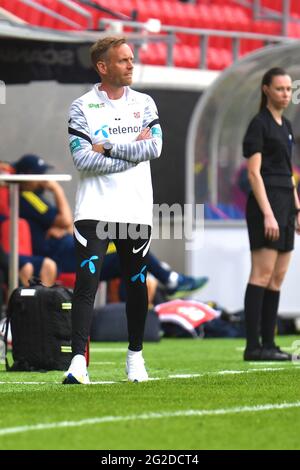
137	115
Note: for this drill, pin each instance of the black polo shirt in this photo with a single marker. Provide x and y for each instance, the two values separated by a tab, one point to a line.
274	142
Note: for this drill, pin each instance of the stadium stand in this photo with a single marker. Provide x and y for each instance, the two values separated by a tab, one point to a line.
227	15
36	17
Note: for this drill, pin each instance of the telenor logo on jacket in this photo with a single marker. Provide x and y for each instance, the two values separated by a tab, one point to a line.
103	130
106	131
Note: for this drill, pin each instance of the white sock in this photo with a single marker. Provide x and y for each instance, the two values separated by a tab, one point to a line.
134	353
173	280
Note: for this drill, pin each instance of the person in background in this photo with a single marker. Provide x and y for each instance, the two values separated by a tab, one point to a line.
50	223
29	266
272	213
51	232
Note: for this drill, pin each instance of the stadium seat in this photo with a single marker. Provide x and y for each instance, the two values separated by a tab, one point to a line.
25	246
4	201
186	56
154	54
294	30
35	17
67	279
123	6
4	194
207	14
248	45
218	59
205	17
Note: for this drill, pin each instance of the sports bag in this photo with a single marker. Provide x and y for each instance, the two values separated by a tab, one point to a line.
185	318
110	324
40	320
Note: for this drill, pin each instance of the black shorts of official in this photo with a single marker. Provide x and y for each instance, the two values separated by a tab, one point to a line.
283	205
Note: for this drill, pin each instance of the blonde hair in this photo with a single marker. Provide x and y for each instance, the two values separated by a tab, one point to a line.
99	50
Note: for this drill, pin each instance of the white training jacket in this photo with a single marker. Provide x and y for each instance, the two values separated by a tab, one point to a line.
116	188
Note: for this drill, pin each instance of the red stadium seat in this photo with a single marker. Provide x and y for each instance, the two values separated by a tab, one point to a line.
25	247
67	279
207	14
186	56
204	18
4	201
4	194
154	54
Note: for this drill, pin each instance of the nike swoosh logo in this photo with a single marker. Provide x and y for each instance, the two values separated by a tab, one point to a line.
147	244
136	250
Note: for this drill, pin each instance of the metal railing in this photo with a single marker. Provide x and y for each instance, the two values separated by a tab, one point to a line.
204	34
70	4
114	14
78	9
260	12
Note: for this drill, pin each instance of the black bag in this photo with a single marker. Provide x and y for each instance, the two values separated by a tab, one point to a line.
40	319
109	324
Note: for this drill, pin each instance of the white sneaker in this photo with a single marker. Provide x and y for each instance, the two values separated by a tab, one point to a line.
135	367
77	372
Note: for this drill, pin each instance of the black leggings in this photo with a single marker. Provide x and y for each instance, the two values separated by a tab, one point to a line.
90	252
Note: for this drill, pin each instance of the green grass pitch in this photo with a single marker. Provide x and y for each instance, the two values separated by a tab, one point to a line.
202	396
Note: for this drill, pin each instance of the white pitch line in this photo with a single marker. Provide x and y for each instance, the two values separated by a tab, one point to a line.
172	376
103	382
103	363
261	369
110	350
224	372
230	372
268	363
25	383
184	376
148	416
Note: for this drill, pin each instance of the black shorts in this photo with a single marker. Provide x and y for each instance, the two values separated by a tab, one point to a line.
283	206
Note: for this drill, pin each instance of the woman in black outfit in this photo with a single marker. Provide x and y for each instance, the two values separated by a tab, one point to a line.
272	207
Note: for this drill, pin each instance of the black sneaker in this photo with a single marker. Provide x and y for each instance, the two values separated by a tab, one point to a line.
275	354
252	354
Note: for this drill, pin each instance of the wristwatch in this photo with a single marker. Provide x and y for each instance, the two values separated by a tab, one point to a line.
107	146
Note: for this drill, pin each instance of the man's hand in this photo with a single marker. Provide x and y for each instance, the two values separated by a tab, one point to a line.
51	186
64	218
98	148
56	232
145	134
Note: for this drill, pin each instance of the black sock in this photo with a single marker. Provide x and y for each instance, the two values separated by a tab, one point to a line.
253	306
269	317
